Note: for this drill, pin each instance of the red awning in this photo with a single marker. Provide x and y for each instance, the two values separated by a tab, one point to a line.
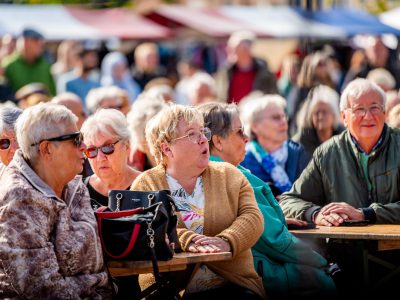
120	23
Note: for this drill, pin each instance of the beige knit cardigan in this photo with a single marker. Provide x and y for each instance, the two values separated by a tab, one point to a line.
230	211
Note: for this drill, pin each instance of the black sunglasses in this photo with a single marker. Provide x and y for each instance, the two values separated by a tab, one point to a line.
106	149
76	137
5	144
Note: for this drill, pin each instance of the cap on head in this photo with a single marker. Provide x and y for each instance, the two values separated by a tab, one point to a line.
31	33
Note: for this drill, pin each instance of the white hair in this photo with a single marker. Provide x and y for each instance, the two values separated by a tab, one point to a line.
105	122
142	110
96	96
8	117
319	94
357	88
240	36
197	80
67	96
39	122
251	111
383	78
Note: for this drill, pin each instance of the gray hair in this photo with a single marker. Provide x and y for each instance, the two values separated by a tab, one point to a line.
142	110
218	117
40	122
8	117
251	111
357	88
67	96
106	122
319	94
97	95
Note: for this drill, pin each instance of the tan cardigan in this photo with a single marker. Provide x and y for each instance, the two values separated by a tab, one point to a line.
230	211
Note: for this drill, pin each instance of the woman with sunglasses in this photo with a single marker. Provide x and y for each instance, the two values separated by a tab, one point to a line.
49	248
217	209
282	261
107	137
8	141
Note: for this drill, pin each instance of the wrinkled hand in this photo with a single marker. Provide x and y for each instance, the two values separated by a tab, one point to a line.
294	221
343	208
208	244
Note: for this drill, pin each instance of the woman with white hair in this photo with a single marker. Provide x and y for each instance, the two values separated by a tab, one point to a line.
107	137
217	208
270	155
319	118
8	141
141	112
49	246
114	71
202	88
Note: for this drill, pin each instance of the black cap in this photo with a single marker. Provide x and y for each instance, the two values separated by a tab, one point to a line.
31	33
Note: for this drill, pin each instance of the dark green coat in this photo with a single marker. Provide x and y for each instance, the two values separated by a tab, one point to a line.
288	266
335	175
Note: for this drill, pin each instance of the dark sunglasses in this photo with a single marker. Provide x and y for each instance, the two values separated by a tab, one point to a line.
106	149
5	144
76	137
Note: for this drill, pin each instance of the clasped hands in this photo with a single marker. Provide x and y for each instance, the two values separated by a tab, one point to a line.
208	244
335	213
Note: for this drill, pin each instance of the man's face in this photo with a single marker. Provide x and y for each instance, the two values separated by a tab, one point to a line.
34	46
365	117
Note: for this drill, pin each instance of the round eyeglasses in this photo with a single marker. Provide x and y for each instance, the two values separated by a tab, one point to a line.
195	137
106	149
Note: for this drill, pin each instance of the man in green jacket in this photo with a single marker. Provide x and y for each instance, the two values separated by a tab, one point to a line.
355	176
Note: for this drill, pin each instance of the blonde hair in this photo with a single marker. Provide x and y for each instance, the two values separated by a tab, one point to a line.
162	128
394	117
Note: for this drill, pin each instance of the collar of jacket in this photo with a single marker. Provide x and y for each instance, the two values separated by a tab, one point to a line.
378	146
32	177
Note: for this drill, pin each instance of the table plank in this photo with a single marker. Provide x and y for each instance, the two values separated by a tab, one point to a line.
371	232
178	262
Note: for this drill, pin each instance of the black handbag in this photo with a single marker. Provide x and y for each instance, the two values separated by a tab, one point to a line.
125	200
133	234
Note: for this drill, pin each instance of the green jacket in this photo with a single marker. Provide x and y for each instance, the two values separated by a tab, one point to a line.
288	266
335	175
19	72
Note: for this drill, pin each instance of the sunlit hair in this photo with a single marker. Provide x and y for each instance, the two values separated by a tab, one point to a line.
106	123
357	88
96	96
142	110
8	117
162	128
252	111
394	117
219	118
39	122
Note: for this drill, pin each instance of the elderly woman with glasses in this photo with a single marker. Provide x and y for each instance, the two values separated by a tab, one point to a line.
107	137
270	155
217	209
8	141
281	260
49	247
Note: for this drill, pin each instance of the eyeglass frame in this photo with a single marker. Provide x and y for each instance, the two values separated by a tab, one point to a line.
205	130
76	137
365	110
112	145
9	143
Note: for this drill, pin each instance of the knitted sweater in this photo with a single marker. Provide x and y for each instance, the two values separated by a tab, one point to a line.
230	211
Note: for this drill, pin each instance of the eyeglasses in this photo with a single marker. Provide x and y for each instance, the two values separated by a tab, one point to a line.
239	131
360	112
106	149
5	144
195	137
76	137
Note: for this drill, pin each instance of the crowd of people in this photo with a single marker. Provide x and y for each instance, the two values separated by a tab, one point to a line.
245	155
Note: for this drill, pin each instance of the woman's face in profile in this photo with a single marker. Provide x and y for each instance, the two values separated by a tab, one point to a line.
322	116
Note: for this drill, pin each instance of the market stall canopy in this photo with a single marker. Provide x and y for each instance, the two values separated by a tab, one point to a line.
352	21
57	22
